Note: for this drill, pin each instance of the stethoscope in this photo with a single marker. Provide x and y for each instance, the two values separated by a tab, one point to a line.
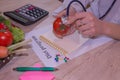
107	11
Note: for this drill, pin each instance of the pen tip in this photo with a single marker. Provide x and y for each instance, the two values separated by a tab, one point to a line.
14	69
56	69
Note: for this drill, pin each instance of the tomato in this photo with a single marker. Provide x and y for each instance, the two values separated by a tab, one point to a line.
60	28
2	26
6	38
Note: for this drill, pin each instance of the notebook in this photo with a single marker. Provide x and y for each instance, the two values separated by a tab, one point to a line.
66	45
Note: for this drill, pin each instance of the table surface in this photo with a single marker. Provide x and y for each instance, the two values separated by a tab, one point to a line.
101	63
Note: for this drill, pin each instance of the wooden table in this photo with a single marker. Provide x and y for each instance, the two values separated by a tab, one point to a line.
101	63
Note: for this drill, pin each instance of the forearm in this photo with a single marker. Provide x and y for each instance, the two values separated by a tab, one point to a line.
112	30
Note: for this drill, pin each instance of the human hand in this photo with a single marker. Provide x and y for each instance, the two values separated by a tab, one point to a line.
71	26
60	29
87	24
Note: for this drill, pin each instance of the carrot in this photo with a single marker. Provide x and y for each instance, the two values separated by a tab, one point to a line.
3	51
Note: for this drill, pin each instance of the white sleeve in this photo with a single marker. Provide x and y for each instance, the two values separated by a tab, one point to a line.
78	6
94	8
65	5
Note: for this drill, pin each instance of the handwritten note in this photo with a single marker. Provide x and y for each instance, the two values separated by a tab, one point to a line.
37	75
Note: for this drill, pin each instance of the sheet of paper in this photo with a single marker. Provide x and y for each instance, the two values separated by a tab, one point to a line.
67	44
47	54
37	75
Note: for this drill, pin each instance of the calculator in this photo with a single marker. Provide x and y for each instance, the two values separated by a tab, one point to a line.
27	14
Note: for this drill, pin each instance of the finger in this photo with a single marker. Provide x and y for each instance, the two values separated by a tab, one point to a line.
79	16
83	21
80	23
87	33
84	15
71	30
85	27
71	20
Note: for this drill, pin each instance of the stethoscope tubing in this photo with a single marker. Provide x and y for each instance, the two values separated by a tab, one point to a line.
68	8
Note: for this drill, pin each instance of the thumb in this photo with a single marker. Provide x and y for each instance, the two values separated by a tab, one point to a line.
77	16
62	13
71	20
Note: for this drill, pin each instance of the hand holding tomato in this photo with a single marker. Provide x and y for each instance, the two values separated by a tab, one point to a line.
61	30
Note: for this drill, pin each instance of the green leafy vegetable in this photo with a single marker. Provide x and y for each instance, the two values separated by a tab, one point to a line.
18	34
2	18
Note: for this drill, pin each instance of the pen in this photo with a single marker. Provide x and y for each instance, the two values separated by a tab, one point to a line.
23	69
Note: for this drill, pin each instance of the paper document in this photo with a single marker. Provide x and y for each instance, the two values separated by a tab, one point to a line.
47	54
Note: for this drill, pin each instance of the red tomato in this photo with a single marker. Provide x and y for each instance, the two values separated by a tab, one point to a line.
2	26
6	38
60	28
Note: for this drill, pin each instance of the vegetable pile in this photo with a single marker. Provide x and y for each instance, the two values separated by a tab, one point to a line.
6	25
9	35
